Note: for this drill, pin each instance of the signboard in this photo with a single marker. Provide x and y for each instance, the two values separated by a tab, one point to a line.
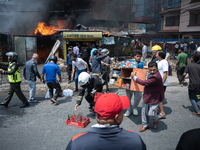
136	28
82	35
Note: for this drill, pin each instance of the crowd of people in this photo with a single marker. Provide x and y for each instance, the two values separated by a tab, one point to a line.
90	70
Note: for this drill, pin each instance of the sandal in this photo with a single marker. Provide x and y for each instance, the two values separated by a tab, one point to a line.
161	117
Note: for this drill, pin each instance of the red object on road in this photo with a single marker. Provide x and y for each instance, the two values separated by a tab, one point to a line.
78	122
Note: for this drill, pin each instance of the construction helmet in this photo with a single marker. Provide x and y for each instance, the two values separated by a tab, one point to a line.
156	48
83	78
105	50
54	58
70	48
198	49
13	56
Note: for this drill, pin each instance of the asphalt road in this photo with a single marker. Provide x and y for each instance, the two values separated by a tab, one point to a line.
43	126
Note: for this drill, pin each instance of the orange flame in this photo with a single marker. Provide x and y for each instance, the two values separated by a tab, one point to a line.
48	30
107	32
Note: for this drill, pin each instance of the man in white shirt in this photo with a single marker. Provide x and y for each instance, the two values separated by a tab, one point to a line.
144	51
163	68
81	65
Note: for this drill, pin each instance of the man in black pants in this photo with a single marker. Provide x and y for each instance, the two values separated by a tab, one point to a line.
69	63
88	85
181	64
13	73
51	69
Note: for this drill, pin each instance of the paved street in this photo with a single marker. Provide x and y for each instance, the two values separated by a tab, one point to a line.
43	126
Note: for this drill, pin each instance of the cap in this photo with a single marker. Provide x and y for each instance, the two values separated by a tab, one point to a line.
198	49
109	105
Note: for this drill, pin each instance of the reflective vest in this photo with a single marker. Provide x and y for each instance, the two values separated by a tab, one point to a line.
16	76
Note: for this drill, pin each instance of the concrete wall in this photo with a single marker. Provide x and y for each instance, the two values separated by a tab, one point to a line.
185	16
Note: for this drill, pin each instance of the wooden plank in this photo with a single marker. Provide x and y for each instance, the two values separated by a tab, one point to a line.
141	74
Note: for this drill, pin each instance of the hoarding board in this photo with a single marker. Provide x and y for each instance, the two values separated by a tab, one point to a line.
136	28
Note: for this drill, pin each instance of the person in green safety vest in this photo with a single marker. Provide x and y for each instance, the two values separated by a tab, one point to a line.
13	73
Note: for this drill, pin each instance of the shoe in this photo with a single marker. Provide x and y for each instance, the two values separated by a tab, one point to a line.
5	105
127	113
69	82
135	112
32	101
24	105
75	90
73	80
143	129
155	125
55	101
51	102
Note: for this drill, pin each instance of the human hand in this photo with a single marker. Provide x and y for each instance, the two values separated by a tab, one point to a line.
108	52
66	66
88	72
43	81
76	107
60	81
133	74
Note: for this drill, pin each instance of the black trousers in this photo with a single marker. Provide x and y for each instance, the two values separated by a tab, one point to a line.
180	71
15	88
69	71
52	86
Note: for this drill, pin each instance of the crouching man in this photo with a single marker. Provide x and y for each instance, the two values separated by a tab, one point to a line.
89	85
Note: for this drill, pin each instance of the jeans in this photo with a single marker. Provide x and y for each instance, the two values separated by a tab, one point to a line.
137	98
194	100
192	52
32	89
76	78
149	110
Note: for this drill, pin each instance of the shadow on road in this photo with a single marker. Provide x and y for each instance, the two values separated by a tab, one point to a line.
190	108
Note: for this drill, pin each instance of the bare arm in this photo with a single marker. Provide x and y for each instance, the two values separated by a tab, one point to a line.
164	77
88	70
73	70
177	63
60	79
43	80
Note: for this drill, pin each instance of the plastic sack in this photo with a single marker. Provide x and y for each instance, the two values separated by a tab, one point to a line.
47	96
67	92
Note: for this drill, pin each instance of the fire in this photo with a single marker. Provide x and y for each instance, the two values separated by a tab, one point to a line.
48	30
107	32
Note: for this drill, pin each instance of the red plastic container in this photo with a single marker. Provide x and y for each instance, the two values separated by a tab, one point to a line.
82	123
97	95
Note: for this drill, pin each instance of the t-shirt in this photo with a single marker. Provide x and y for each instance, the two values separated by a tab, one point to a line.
109	138
50	70
182	57
162	67
79	63
193	69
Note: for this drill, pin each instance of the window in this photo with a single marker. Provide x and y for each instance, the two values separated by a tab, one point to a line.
169	2
172	21
195	18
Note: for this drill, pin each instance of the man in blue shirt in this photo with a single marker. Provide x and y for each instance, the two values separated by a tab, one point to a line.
51	69
69	63
96	62
137	94
91	53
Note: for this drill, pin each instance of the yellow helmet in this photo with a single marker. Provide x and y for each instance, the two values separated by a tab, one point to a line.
156	48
